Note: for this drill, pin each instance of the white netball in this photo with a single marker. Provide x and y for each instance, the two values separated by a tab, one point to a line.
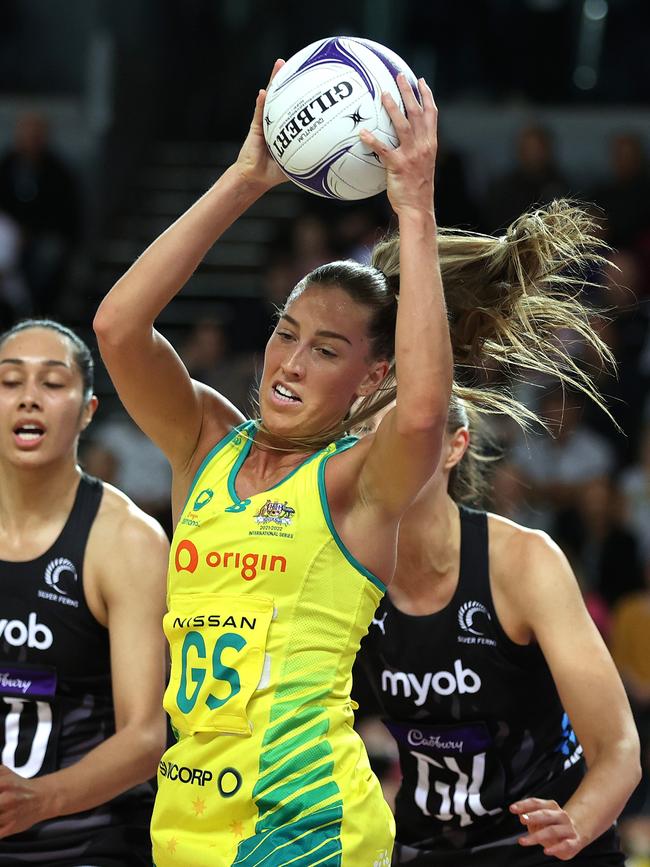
317	104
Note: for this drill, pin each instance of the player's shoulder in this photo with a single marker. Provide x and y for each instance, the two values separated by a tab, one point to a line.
518	552
127	552
120	521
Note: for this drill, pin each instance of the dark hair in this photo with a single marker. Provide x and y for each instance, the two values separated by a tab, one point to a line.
370	288
80	352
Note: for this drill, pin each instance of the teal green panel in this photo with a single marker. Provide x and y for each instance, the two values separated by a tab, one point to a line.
297	806
315	834
333	848
277	731
275	754
281	793
296	763
283	707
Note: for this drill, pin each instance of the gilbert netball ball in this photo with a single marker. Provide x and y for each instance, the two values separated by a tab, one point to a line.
317	104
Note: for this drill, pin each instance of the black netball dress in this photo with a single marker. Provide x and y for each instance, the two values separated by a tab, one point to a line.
56	702
478	723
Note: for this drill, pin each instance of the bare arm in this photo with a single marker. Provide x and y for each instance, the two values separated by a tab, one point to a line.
592	695
406	448
151	380
132	586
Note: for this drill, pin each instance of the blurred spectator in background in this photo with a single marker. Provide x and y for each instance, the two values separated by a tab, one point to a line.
357	230
630	648
625	196
39	191
454	203
310	245
535	179
509	498
119	453
595	535
626	330
207	357
509	492
570	487
635	488
277	282
14	296
557	468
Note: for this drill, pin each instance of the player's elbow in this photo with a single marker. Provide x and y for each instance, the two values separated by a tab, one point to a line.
421	411
631	759
150	742
106	324
636	773
115	325
629	763
421	421
622	752
152	758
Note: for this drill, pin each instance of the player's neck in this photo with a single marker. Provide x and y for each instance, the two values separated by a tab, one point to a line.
29	495
269	458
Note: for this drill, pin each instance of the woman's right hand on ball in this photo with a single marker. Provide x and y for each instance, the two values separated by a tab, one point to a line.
255	164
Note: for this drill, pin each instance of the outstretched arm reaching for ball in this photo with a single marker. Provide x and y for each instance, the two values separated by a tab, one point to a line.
405	451
150	378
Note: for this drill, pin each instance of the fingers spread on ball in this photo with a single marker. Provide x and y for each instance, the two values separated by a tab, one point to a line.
396	115
426	95
429	106
375	144
411	104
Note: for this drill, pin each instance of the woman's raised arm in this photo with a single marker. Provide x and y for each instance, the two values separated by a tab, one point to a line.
407	445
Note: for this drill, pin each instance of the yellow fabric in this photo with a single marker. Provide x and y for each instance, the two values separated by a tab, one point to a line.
266	612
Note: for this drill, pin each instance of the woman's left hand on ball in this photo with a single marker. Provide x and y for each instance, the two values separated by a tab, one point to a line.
256	165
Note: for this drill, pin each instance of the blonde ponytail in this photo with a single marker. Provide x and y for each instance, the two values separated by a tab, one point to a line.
508	297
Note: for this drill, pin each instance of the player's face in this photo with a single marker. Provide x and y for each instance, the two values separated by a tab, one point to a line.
317	362
41	399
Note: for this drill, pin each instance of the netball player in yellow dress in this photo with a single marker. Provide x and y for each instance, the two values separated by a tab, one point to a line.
282	549
286	530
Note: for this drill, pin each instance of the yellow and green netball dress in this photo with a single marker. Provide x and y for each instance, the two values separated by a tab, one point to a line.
266	612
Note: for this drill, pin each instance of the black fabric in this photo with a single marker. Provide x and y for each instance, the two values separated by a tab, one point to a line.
604	852
56	701
477	718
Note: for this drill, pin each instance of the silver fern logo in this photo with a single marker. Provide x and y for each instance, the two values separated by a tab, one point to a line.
467	614
54	572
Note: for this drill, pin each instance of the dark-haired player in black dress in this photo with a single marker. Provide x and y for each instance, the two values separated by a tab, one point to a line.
82	594
513	728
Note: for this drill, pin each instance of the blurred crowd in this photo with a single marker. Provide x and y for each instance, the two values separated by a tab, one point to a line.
40	222
587	483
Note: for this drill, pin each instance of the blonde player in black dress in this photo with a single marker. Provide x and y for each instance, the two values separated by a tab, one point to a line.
516	741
